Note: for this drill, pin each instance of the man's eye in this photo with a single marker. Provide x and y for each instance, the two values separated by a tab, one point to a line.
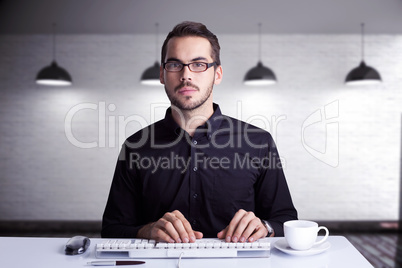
174	65
198	64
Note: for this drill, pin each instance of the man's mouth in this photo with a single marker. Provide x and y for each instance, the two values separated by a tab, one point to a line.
186	89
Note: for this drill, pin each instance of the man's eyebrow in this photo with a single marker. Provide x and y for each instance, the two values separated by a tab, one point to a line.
199	58
195	59
173	59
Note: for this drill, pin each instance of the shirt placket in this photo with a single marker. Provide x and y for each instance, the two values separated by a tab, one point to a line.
194	185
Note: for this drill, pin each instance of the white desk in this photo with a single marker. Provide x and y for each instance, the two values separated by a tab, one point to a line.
25	252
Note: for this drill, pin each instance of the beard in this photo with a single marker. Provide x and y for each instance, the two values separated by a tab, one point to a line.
187	105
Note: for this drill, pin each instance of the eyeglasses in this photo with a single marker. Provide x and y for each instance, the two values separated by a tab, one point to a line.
196	67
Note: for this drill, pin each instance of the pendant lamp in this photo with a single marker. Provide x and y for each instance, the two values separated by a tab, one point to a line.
53	75
150	76
259	75
363	74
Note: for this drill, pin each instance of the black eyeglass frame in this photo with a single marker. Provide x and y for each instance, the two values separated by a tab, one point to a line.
208	65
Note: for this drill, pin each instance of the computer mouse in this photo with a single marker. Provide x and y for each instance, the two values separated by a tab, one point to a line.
77	245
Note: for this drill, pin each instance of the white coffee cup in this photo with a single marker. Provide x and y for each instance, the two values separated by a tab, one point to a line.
302	235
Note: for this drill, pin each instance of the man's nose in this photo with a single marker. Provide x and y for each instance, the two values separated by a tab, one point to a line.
186	74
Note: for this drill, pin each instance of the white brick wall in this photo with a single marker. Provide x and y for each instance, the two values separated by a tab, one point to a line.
45	177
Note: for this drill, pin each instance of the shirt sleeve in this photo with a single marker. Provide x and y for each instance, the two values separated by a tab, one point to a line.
273	199
123	208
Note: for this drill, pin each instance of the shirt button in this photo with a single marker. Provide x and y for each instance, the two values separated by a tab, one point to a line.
194	222
195	196
195	168
194	142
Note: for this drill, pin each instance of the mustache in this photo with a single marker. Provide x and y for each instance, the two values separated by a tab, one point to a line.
186	84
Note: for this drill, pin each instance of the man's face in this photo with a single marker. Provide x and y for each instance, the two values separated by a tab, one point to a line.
185	89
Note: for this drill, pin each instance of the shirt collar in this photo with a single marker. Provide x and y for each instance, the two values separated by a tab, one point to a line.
212	125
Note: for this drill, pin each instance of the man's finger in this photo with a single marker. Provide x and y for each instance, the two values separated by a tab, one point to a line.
159	233
186	235
253	225
260	232
222	234
198	235
174	227
242	225
230	237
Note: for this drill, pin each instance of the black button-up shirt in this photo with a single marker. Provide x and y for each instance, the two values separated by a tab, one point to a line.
227	165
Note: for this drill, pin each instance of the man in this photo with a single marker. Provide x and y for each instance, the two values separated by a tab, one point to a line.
197	173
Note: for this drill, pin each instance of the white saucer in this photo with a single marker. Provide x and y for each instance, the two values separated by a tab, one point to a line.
283	246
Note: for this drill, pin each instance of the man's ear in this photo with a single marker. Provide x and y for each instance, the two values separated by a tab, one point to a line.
218	75
161	75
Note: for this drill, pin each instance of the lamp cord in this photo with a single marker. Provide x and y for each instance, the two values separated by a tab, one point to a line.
157	41
362	31
259	41
54	41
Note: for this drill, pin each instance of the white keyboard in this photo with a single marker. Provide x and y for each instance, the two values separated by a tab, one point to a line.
202	248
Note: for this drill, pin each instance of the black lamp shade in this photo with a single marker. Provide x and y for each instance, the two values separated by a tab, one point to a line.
363	75
151	75
53	75
260	75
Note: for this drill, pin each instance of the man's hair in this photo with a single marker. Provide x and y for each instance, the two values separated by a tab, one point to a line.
189	28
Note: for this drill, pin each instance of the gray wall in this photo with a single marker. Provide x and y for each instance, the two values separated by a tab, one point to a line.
340	145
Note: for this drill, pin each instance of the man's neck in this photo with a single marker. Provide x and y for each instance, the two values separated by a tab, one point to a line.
189	120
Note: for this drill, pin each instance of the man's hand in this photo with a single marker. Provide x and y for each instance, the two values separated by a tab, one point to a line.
172	227
244	226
